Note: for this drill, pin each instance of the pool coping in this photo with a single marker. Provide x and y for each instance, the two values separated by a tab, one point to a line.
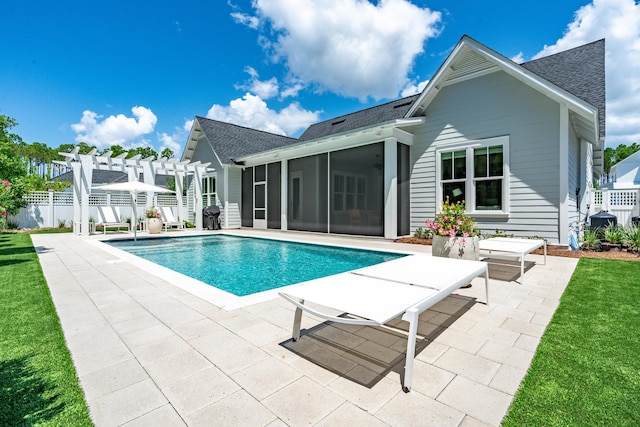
218	297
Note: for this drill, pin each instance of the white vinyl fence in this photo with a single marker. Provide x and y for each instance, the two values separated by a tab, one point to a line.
621	203
50	208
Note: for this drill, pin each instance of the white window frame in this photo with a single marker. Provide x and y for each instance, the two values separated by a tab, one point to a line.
470	190
343	194
209	193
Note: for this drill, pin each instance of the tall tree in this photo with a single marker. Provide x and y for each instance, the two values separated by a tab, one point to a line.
116	150
167	153
12	170
618	154
145	152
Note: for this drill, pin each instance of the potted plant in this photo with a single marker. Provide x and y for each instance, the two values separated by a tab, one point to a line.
455	234
154	220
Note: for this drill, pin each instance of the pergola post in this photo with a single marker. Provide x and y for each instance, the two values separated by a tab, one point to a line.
86	166
149	177
197	189
77	197
182	211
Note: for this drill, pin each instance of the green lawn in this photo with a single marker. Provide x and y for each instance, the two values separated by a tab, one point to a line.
586	371
38	384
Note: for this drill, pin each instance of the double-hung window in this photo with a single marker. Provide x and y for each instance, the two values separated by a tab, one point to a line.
477	173
488	174
349	191
454	175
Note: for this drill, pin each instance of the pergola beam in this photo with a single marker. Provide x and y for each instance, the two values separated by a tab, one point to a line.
83	166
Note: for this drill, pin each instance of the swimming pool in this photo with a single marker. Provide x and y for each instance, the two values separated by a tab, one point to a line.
246	265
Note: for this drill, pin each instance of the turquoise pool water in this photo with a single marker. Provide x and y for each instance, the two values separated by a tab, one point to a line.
243	265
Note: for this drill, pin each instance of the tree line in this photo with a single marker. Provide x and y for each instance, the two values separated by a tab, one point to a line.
28	167
618	154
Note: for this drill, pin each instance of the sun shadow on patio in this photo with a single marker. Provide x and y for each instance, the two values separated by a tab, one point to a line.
365	354
506	270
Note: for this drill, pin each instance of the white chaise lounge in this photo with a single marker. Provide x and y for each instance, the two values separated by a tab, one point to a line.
109	216
403	287
508	247
168	220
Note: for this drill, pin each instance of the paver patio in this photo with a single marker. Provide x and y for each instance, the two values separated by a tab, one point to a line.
150	353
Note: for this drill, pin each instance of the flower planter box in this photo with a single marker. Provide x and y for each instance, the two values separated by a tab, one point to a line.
456	247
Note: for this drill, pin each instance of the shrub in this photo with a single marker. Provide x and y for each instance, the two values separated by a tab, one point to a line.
632	238
500	233
590	240
423	233
613	234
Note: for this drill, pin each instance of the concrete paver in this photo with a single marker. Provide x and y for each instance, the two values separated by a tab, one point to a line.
150	350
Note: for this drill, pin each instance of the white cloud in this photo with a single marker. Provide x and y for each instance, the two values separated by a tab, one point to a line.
265	89
412	88
291	90
618	21
173	142
350	47
115	130
244	19
519	58
253	112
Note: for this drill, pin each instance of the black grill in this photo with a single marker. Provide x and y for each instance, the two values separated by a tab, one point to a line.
211	218
602	219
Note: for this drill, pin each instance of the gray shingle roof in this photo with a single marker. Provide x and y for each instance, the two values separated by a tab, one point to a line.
100	177
379	114
231	141
580	71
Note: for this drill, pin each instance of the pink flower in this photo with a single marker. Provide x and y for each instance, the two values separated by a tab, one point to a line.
6	183
4	213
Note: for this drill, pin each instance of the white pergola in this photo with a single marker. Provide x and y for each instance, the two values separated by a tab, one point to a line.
83	166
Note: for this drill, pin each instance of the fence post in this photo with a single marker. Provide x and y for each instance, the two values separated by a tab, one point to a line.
49	222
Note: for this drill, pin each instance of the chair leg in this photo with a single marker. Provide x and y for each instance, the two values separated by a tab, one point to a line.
412	316
297	319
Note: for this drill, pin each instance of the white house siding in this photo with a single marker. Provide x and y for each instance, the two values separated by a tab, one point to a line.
574	171
191	215
230	214
204	153
490	106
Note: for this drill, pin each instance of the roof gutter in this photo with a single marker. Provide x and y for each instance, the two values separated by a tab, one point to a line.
314	146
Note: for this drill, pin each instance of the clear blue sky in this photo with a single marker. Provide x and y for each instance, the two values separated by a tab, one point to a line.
76	70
